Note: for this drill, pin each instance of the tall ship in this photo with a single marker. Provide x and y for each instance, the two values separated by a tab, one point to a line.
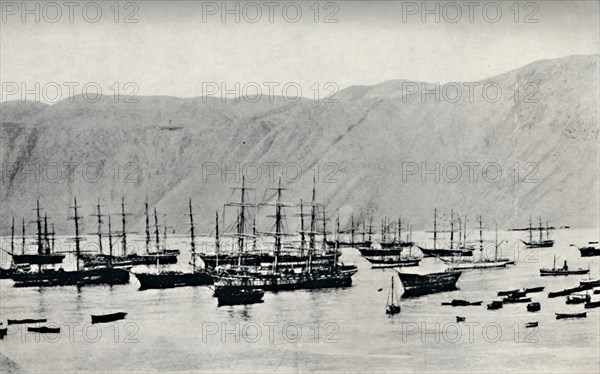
470	262
424	284
445	252
79	277
541	242
127	259
386	247
174	278
278	276
400	256
45	254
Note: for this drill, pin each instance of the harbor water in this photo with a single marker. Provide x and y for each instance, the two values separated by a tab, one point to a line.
342	330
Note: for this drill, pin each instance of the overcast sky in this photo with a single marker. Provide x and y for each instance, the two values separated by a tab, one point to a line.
172	51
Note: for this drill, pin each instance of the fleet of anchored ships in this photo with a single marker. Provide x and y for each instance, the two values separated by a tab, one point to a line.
242	275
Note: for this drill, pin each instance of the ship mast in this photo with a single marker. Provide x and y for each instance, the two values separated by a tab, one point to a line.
352	229
46	238
124	233
165	228
52	234
39	230
23	238
480	235
434	228
156	232
147	226
530	232
324	228
302	235
451	228
12	237
278	227
192	238
311	235
370	228
541	229
241	220
99	215
77	238
110	242
217	243
496	248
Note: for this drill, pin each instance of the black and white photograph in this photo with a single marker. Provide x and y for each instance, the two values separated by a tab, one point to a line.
300	186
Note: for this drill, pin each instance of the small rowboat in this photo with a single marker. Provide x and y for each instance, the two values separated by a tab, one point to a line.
26	321
533	307
570	315
458	302
529	325
510	300
592	304
103	318
460	319
44	330
495	305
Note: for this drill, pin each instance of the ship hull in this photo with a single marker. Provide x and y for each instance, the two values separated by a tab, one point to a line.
240	297
172	280
542	244
284	282
418	285
210	261
445	252
129	260
390	262
589	251
38	259
551	272
102	276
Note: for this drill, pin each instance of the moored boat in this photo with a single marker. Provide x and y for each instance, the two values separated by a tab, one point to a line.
570	315
25	321
110	317
495	305
392	305
564	270
592	304
533	307
418	284
459	302
529	325
577	299
44	329
512	300
240	296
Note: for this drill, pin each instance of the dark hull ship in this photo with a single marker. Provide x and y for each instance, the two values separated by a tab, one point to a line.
211	261
240	296
38	259
172	279
541	242
105	318
441	252
281	275
589	251
284	282
51	278
79	277
417	285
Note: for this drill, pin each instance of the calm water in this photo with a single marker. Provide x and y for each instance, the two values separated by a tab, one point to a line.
343	330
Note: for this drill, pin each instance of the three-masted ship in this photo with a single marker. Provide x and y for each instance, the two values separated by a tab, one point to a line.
174	278
541	242
291	267
445	252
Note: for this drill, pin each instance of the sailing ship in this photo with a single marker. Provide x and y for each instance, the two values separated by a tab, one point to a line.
564	270
79	277
13	268
463	263
44	255
127	259
173	278
279	276
423	284
392	305
541	243
444	252
393	256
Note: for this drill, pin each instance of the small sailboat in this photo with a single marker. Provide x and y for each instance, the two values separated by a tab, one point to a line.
392	306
